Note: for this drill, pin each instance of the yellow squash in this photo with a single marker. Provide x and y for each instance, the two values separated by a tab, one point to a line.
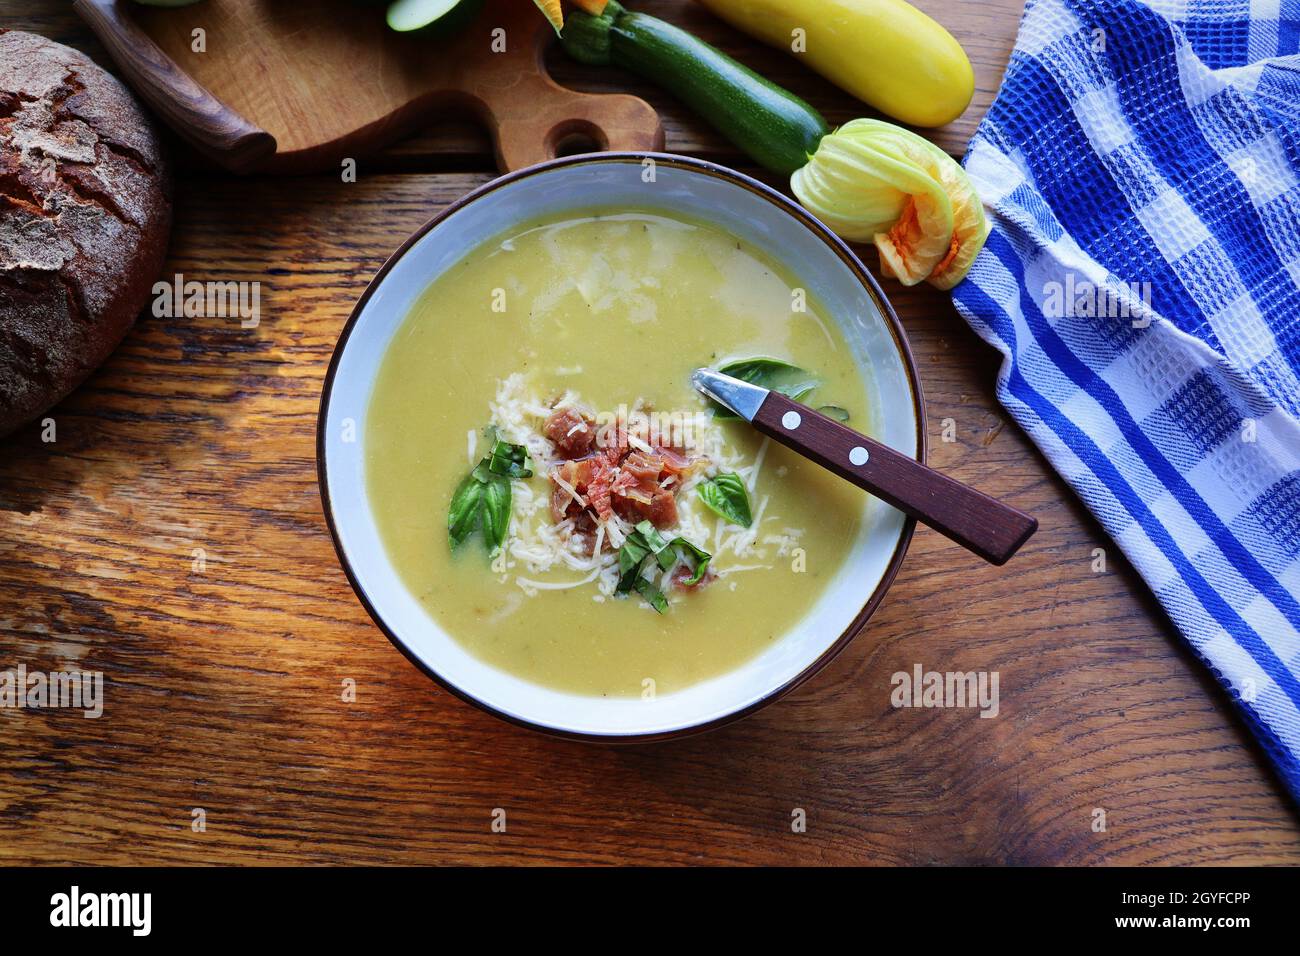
887	53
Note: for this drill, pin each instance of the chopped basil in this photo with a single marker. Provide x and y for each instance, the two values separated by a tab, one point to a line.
726	495
657	544
697	558
482	499
627	580
646	542
630	557
835	412
646	588
651	536
507	460
631	554
789	380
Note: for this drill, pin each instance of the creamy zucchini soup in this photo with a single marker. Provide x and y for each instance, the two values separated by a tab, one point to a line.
554	492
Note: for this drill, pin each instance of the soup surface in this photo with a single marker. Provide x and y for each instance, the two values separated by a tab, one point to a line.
599	312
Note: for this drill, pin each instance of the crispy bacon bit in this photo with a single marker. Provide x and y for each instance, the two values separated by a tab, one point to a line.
675	462
590	479
570	478
638	493
572	432
660	509
602	474
560	501
639	468
598	493
584	530
613	440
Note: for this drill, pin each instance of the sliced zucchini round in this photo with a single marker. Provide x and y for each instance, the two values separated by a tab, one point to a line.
440	16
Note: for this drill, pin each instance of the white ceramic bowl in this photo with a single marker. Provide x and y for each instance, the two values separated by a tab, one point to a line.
703	190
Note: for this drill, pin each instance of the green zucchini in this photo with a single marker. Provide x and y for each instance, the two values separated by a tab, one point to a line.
775	128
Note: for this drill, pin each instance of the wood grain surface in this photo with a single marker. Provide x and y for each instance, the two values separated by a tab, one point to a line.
328	80
225	676
184	104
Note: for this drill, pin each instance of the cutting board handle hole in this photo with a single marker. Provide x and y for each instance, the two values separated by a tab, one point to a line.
572	137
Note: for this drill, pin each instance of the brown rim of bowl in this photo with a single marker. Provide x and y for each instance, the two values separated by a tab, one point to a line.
836	245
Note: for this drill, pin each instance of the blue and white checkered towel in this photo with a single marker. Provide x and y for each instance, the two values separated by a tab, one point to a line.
1141	166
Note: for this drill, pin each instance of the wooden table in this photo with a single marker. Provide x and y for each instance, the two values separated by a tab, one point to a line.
225	675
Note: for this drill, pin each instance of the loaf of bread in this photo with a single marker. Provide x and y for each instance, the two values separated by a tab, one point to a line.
85	209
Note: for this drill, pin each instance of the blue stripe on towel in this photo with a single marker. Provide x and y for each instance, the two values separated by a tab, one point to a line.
1159	143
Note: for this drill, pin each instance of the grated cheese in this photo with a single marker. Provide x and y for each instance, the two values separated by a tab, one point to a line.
572	491
638	444
751	480
530	585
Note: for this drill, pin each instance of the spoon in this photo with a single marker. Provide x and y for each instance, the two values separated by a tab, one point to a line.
981	524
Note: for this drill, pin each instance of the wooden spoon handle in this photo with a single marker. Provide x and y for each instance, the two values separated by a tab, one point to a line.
982	524
189	108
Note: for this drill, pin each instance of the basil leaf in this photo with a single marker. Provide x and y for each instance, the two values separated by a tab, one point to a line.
657	544
697	558
646	588
631	554
496	512
641	544
650	534
463	513
507	460
482	499
726	495
628	580
789	380
835	412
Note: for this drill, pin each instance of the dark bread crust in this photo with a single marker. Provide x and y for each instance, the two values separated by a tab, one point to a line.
85	210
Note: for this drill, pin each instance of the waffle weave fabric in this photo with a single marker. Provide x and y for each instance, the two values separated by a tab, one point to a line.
1141	168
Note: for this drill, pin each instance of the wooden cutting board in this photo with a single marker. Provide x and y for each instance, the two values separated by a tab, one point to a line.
297	86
